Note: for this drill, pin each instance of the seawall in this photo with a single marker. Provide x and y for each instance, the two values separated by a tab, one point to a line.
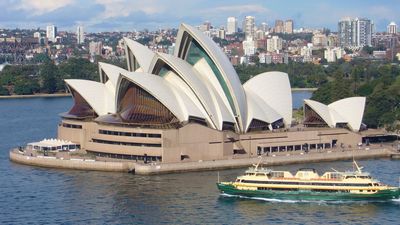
77	164
36	96
161	168
146	169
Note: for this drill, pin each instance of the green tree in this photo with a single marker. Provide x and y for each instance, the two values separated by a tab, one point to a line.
4	91
49	77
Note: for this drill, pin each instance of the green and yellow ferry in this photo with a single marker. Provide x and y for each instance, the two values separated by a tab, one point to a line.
308	185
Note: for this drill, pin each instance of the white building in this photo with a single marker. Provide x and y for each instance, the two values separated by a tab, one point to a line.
95	48
221	33
319	40
333	54
231	25
80	36
51	33
249	26
274	44
263	27
249	47
355	32
392	28
288	28
306	52
36	35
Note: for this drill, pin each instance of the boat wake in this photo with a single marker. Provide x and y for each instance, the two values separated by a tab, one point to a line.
309	201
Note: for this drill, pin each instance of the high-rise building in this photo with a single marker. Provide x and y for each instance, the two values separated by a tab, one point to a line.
263	27
355	32
288	27
51	33
249	47
249	26
319	40
95	48
221	33
231	25
80	36
274	44
392	28
364	32
279	26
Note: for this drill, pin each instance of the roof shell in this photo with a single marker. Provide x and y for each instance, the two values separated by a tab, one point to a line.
96	94
224	66
274	90
142	53
351	109
209	99
348	110
174	99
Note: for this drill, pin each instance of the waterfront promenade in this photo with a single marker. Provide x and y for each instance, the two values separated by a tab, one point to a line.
281	158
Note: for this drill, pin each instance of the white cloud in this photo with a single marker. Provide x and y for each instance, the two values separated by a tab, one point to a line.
240	9
39	7
118	8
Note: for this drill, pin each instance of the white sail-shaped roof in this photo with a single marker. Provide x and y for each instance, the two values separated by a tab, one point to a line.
96	94
348	110
351	109
322	110
174	99
258	109
273	88
204	93
142	54
112	73
229	80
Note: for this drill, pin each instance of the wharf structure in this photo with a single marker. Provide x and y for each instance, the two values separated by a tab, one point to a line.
192	107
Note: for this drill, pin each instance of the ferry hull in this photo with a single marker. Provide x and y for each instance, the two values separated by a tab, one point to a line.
310	195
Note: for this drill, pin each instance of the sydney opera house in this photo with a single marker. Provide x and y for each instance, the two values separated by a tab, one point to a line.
191	106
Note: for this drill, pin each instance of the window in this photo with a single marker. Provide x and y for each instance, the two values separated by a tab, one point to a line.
129	134
196	53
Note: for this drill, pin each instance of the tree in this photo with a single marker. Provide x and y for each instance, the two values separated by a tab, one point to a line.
48	75
4	91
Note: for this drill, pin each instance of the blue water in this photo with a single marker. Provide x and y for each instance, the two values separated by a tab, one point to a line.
298	97
52	196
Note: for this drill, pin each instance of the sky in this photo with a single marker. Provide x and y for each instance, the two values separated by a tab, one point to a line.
129	15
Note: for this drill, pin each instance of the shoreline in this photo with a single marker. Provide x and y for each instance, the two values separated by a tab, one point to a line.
165	168
35	96
304	89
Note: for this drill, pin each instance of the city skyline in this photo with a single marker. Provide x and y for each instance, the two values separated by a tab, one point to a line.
124	15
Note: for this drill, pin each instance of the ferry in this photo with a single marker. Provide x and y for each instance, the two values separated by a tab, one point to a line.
307	185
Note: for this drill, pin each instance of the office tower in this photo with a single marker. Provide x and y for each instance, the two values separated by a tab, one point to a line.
279	26
345	32
51	33
80	36
221	33
364	32
288	27
274	44
355	32
392	28
263	27
249	26
95	48
231	25
249	47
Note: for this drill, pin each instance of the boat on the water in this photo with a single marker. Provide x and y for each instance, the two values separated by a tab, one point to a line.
307	185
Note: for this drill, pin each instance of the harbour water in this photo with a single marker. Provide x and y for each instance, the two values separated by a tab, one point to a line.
51	196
